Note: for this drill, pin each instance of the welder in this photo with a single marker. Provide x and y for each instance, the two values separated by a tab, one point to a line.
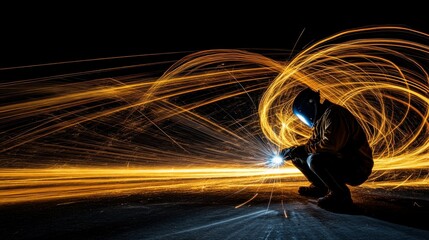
336	155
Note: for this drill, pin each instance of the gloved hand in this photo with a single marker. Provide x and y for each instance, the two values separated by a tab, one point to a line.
286	153
294	152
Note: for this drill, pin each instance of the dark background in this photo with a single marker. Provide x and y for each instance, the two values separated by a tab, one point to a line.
40	34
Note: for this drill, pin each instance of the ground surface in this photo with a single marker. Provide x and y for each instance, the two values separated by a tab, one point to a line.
379	214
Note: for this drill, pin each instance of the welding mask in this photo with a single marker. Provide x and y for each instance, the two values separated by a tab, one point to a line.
305	106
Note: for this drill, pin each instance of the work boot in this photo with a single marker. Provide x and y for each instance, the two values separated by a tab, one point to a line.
312	191
336	201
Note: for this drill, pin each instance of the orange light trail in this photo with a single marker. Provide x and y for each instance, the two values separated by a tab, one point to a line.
28	185
212	118
383	81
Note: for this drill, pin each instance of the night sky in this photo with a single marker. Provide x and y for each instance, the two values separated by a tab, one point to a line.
41	34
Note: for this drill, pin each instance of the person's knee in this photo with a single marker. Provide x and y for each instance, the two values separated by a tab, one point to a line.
298	162
314	162
318	161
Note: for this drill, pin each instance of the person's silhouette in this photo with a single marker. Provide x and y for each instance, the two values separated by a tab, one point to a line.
336	155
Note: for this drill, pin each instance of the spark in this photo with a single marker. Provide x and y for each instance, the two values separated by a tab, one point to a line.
195	124
275	161
246	202
284	209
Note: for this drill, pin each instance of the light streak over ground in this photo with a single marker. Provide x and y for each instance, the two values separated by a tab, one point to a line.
22	185
213	116
29	185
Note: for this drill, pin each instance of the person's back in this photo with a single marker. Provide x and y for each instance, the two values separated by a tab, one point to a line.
338	132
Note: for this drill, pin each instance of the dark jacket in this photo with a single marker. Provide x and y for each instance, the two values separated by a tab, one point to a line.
338	132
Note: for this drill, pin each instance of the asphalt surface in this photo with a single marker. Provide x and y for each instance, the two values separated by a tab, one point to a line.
378	214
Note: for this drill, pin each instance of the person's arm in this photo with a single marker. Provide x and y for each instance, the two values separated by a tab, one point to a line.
333	134
294	152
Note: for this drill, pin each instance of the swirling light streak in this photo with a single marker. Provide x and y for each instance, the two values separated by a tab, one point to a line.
379	80
201	113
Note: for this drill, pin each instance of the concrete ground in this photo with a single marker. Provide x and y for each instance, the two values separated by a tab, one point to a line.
378	214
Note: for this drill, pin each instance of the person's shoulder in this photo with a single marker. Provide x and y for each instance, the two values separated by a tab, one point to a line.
336	109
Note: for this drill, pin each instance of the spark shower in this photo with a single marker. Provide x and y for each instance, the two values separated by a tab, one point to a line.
212	118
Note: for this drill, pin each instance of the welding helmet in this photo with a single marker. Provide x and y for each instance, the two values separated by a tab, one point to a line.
305	106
